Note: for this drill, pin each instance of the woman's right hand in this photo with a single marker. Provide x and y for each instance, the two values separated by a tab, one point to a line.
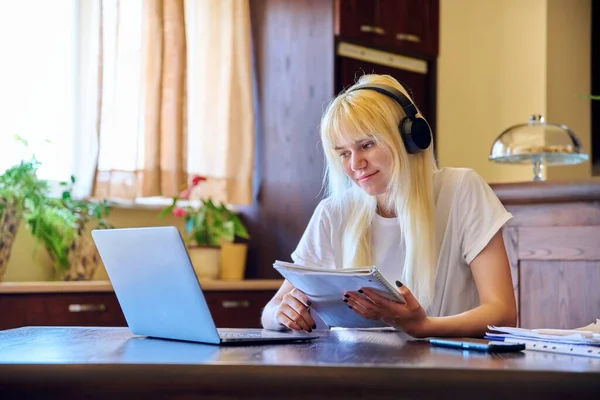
293	312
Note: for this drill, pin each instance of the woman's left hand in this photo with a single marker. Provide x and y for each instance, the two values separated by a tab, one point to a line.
409	317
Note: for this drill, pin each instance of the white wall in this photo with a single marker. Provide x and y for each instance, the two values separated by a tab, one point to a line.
499	63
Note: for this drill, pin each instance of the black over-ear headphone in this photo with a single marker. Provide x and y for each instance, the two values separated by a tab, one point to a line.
414	130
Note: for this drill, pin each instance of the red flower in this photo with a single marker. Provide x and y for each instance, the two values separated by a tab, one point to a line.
178	212
197	179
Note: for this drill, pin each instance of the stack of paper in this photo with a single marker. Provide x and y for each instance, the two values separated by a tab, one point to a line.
581	341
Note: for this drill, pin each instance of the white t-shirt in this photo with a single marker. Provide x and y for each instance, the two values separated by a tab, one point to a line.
467	215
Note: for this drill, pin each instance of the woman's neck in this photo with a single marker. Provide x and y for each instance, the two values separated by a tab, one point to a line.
385	212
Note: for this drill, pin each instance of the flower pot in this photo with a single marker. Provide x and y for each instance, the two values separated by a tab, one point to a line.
233	261
84	260
10	220
205	260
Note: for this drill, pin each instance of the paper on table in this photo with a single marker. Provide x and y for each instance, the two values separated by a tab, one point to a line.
588	337
590	331
593	327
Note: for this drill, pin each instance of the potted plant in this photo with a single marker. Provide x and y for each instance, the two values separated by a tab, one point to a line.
216	237
20	190
62	225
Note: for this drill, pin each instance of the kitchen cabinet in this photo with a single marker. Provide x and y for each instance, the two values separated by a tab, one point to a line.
405	26
95	304
553	245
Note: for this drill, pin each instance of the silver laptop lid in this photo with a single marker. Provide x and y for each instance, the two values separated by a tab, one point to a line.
155	283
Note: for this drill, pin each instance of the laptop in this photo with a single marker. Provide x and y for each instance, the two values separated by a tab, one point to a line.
159	293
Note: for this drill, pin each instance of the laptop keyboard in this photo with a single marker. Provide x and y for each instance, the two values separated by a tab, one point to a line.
226	334
239	335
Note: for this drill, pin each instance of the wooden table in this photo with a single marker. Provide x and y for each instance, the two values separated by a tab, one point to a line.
84	362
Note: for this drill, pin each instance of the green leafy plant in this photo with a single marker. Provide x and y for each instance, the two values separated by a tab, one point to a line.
20	187
57	222
20	190
207	224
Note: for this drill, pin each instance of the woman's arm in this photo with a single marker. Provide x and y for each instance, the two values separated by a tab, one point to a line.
491	272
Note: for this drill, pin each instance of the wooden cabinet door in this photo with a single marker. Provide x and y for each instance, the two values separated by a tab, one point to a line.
238	309
362	20
413	26
60	309
558	276
407	26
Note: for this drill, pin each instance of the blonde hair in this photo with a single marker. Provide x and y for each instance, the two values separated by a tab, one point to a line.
367	114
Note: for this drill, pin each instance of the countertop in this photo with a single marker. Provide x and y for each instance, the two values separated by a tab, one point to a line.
548	191
105	286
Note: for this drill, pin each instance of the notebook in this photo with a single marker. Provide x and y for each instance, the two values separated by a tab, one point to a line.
159	293
325	288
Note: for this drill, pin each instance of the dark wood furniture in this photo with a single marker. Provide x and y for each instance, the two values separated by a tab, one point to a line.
553	244
405	26
111	363
293	52
232	304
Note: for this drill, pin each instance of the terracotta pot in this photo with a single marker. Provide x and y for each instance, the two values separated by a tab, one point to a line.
205	260
10	220
233	261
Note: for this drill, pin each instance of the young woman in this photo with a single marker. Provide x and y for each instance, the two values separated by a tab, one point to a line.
435	231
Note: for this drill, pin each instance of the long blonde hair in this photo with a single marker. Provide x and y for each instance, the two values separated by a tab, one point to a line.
367	114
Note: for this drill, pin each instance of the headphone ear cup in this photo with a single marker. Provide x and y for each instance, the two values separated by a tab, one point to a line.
415	134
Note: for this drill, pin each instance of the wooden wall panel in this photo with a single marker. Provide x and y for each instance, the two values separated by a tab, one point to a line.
293	48
565	214
557	294
560	243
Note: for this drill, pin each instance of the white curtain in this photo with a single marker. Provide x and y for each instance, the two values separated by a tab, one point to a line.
220	109
87	104
132	139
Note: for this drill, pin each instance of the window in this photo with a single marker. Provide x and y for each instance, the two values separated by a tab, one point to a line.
126	70
39	84
37	77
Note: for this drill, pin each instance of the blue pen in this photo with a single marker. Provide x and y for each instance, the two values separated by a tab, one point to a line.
477	345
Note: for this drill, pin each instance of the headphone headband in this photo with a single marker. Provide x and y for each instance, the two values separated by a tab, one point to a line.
409	108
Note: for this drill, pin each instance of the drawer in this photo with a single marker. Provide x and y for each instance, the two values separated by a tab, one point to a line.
60	309
230	309
237	309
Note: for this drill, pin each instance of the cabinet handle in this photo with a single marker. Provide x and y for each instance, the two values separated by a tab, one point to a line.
235	303
408	37
372	29
86	307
